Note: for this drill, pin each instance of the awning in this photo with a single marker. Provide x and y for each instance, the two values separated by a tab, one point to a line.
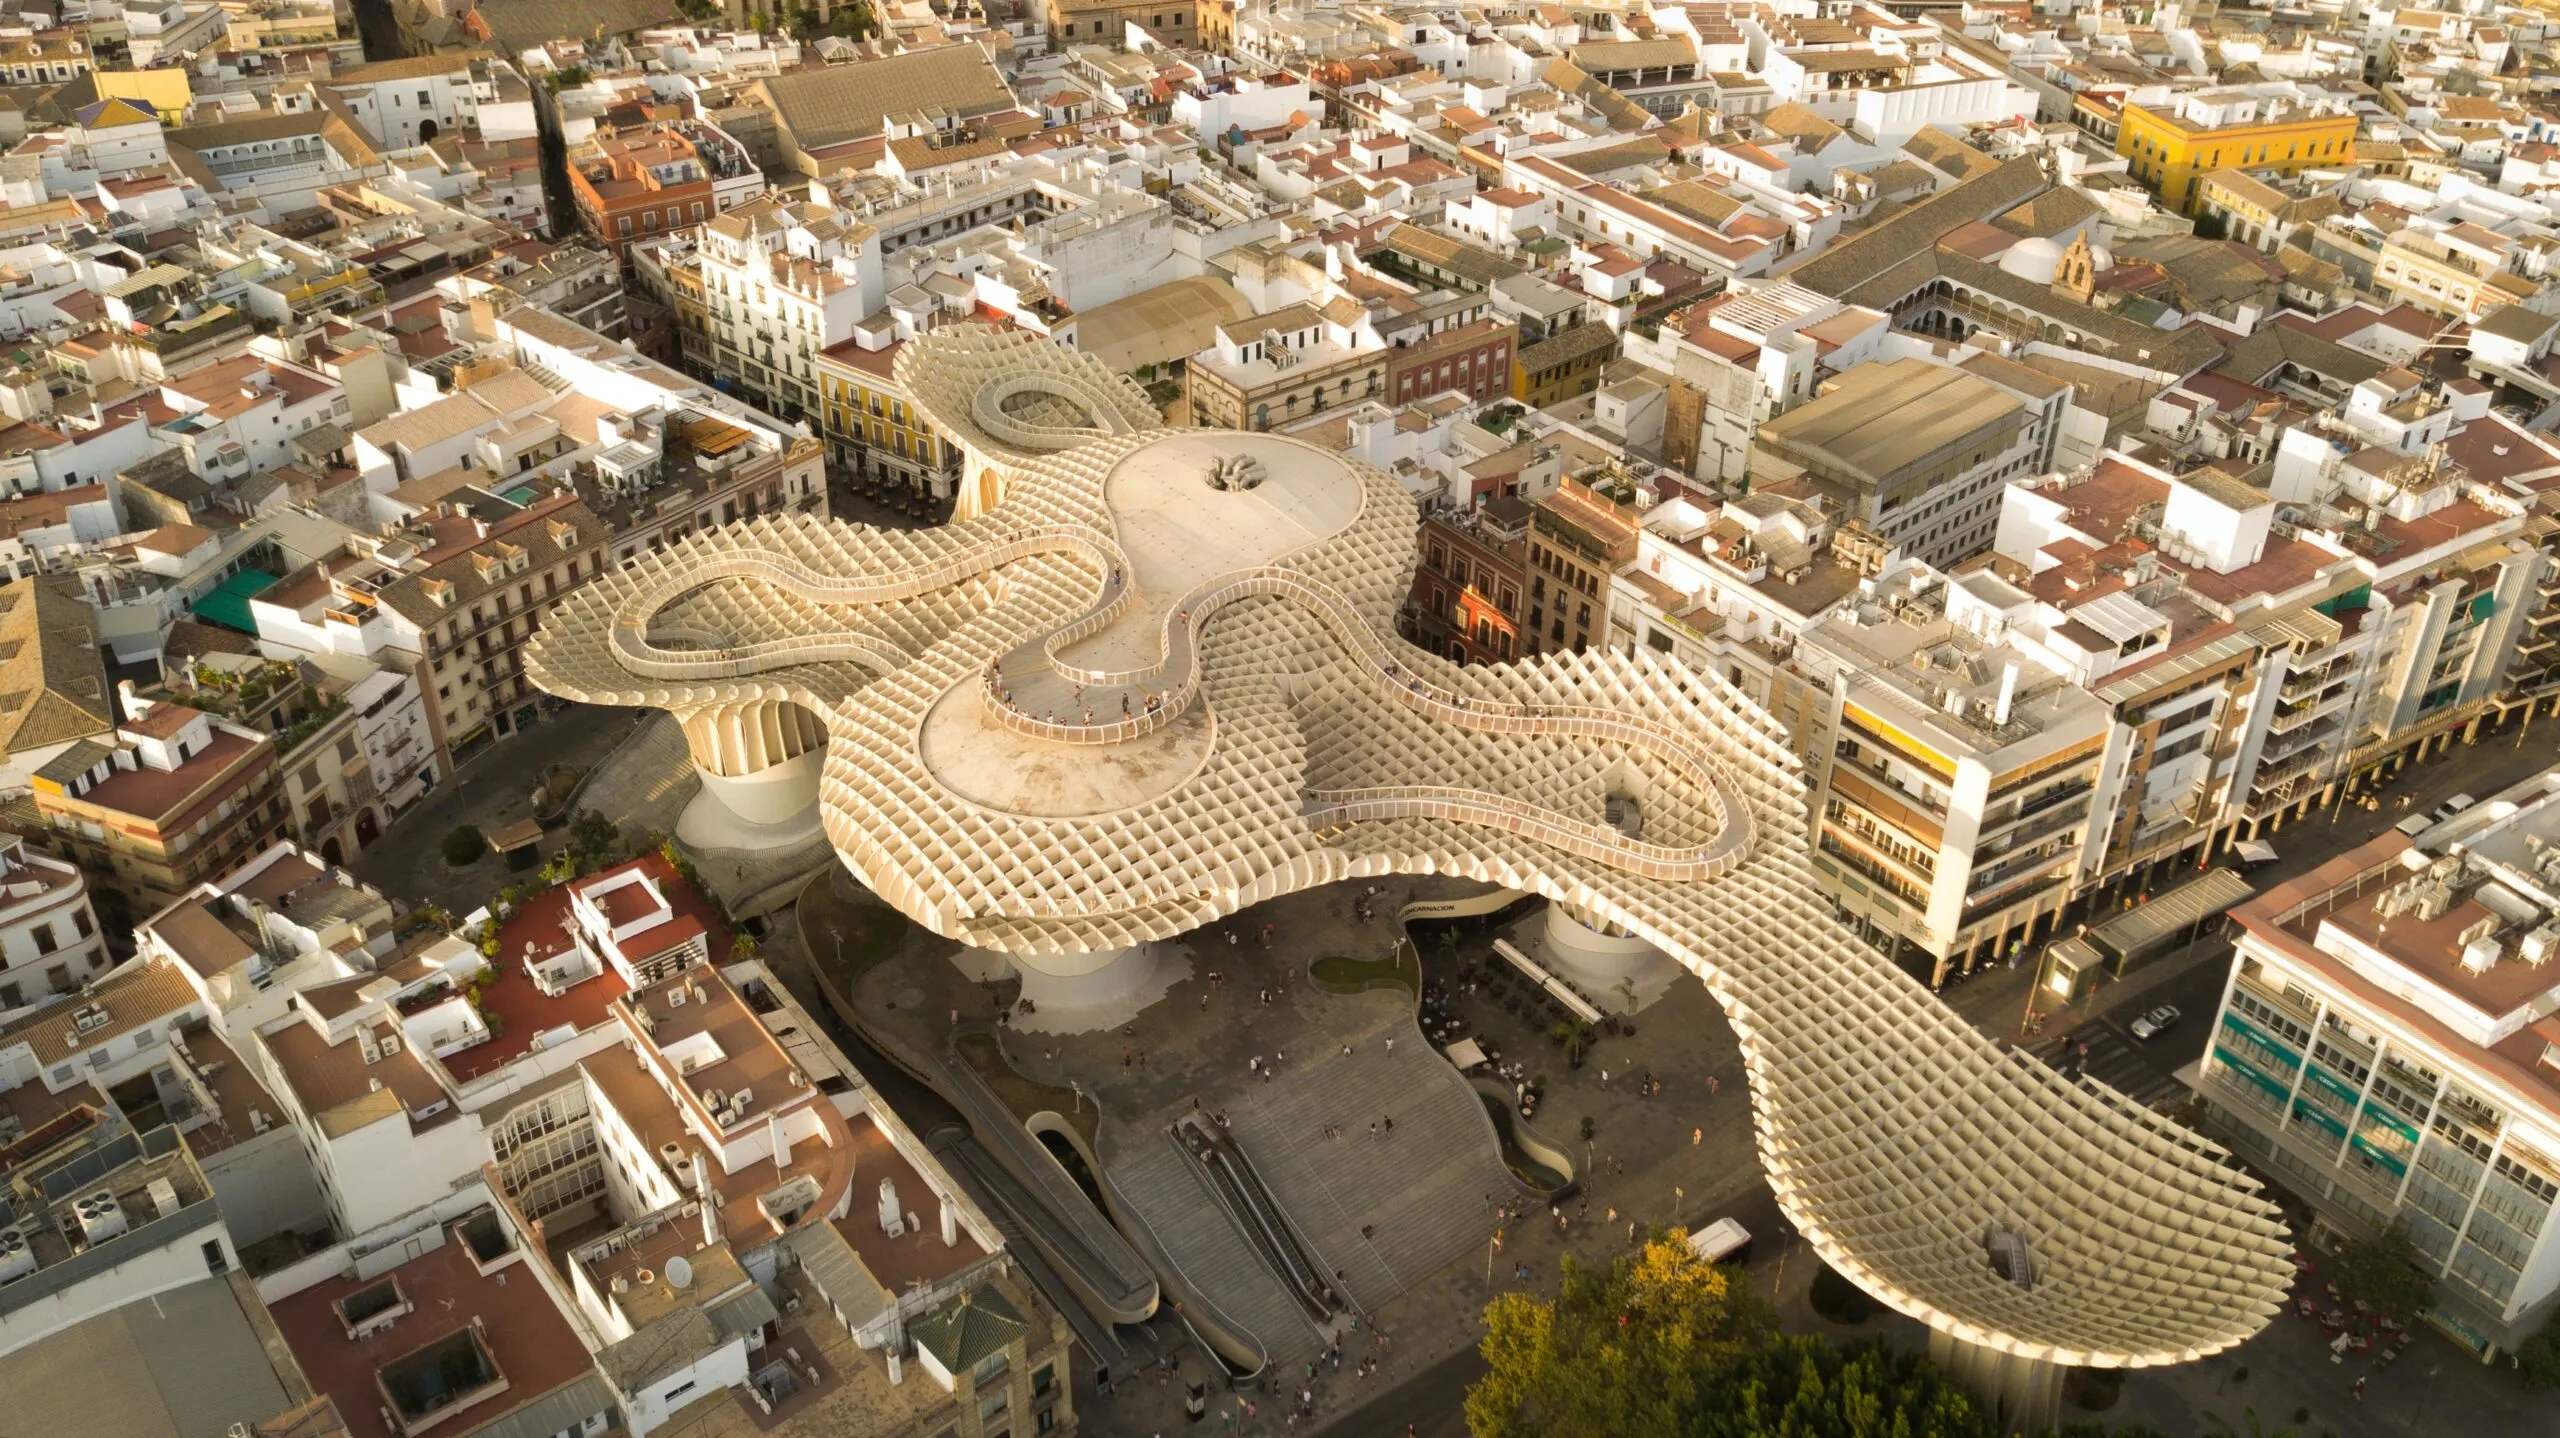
2172	914
228	604
516	836
1465	1054
2254	851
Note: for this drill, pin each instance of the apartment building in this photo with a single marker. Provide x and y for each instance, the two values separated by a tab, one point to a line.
49	940
871	427
633	182
1729	589
1564	364
1919	452
108	1208
1468	596
2385	1049
174	797
462	617
2460	271
1286	364
782	281
2173	147
1471	359
1951	807
1740	358
1577	542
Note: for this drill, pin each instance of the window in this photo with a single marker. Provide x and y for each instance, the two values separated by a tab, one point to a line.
45	941
214	1261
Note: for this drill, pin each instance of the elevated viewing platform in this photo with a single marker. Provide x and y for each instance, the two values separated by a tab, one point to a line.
1238	590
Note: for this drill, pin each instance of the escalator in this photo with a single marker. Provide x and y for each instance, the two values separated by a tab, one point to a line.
1248	1201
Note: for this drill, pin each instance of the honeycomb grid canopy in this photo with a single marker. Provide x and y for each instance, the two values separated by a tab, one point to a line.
1127	700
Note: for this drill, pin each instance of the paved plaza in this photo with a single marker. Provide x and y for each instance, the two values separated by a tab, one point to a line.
1426	1269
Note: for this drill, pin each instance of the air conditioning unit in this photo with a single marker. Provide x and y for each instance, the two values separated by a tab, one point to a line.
101	1216
17	1260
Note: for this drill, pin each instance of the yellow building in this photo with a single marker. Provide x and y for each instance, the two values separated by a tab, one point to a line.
871	426
2172	150
1562	365
164	88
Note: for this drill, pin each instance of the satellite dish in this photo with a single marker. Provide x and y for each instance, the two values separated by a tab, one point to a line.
679	1273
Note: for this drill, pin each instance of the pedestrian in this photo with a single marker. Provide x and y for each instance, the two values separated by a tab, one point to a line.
1277	1058
1697	1136
2360	1390
1373	1128
1715	1085
1346	1050
1390	1123
1204	1003
1391	1048
1604	1078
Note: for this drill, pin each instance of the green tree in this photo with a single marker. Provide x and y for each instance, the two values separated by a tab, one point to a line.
1803	1387
2212	227
1638	1347
2538	1357
2383	1271
464	844
593	838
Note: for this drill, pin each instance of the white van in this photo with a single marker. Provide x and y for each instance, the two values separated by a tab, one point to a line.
1723	1241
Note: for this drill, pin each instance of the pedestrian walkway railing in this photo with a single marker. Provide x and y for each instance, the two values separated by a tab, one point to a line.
1176	665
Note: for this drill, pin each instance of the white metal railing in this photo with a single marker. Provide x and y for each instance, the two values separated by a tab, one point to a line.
1177	651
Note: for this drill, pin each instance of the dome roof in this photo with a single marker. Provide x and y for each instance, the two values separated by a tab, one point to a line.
2033	259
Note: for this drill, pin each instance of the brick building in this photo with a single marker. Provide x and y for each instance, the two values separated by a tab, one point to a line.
1467	589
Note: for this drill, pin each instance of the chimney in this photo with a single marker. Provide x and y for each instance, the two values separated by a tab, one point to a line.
710	1221
135	706
701	1175
781	1142
479	527
2008	691
950	1223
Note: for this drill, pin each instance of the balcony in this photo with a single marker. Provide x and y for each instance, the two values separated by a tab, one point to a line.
1846	756
2027	834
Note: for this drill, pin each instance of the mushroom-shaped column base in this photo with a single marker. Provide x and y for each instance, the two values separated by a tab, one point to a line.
2022	1395
759	764
1078	993
1593	953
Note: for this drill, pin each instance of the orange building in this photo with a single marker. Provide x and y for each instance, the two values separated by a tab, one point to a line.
638	181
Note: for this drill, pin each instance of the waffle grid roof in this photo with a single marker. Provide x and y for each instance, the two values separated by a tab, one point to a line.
1897	1137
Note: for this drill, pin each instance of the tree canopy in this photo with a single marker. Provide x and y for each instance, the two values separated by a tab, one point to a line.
2383	1271
1662	1342
2538	1357
1639	1347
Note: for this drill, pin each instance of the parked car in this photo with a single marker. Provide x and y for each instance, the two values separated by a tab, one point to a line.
2155	1023
2415	824
2452	806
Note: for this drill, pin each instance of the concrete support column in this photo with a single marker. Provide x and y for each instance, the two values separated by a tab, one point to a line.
759	762
1591	953
2022	1395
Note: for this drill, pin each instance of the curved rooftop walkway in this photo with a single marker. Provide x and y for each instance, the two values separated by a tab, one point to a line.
1896	1137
